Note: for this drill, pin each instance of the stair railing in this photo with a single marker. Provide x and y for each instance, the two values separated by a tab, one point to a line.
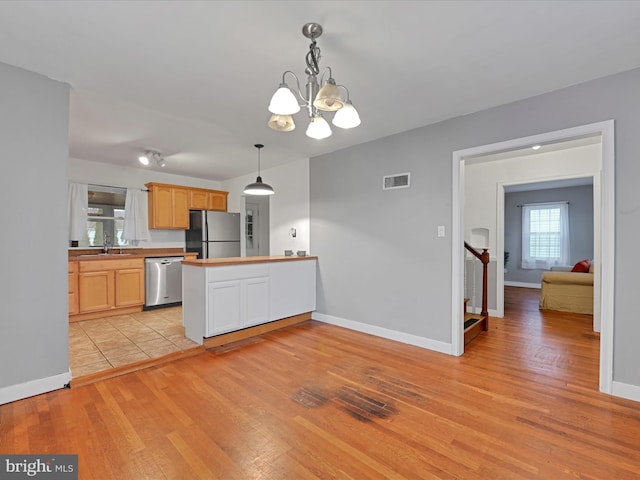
484	258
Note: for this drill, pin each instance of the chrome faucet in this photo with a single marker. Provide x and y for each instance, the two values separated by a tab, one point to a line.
106	245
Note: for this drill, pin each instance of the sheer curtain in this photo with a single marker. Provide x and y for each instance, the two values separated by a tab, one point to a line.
136	217
545	235
78	202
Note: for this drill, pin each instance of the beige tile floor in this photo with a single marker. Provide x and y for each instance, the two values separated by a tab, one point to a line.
104	343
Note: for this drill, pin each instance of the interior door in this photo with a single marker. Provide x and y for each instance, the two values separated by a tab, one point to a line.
257	226
251	229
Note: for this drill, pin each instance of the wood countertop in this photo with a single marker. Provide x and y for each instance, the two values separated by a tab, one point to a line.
218	262
96	254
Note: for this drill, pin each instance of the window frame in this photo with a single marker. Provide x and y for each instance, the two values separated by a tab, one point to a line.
546	227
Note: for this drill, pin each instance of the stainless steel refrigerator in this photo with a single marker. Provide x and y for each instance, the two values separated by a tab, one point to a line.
213	234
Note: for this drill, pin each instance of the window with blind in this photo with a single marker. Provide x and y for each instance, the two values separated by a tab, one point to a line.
545	235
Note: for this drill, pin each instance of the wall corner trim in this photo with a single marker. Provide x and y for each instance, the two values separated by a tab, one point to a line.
410	339
33	387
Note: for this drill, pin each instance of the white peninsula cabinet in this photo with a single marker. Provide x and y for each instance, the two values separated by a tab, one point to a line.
226	295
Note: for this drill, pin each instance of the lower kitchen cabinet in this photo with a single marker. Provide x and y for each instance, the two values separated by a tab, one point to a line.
73	288
255	301
237	304
108	286
129	287
97	291
224	307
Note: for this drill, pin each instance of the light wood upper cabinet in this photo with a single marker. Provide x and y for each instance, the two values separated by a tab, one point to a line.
168	206
201	199
197	199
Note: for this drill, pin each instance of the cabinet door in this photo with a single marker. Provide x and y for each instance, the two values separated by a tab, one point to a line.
180	208
96	291
256	301
223	307
161	203
217	201
73	288
198	199
129	287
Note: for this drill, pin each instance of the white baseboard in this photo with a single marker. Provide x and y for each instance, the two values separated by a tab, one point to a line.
33	387
402	337
522	284
625	390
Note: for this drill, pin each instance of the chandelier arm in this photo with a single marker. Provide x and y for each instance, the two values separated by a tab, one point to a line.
297	85
323	72
346	90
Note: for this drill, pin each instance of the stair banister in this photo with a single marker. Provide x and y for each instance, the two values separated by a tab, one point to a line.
484	258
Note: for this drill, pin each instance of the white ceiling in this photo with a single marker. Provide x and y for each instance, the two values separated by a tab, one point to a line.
193	79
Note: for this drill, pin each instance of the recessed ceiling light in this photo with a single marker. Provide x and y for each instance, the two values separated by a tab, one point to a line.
144	160
536	147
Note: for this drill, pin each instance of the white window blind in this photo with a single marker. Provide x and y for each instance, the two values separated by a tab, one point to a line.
545	235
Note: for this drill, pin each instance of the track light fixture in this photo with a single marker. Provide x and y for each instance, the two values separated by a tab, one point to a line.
327	99
258	187
152	155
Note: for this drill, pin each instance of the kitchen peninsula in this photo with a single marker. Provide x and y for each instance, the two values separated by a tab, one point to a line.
222	295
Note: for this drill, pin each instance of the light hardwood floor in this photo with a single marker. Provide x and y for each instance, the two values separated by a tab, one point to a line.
315	401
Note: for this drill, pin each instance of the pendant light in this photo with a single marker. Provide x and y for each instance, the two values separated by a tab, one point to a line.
258	187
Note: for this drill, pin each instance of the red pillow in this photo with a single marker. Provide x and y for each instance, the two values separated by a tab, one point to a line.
582	266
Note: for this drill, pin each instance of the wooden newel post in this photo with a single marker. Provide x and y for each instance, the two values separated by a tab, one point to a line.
484	258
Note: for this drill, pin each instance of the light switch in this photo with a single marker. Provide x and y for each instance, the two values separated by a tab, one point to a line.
441	230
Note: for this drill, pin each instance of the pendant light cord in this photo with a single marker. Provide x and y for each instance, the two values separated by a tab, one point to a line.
258	146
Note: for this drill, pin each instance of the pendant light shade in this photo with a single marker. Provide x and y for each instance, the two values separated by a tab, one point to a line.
258	187
284	101
281	123
347	116
318	128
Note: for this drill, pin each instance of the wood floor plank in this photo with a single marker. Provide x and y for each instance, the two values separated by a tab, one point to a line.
315	401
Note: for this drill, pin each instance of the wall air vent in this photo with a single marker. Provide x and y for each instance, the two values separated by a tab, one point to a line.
398	180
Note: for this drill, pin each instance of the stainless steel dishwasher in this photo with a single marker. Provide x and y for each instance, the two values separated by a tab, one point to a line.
163	281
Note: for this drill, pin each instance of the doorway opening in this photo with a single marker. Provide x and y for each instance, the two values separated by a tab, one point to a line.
604	197
256	225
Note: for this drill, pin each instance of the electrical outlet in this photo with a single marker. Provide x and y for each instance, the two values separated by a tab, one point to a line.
441	230
292	232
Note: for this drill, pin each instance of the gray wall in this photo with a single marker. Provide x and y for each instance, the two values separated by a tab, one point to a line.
33	189
380	261
580	226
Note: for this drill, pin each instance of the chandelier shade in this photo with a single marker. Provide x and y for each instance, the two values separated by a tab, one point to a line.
314	99
328	98
258	187
318	128
284	101
282	123
347	116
